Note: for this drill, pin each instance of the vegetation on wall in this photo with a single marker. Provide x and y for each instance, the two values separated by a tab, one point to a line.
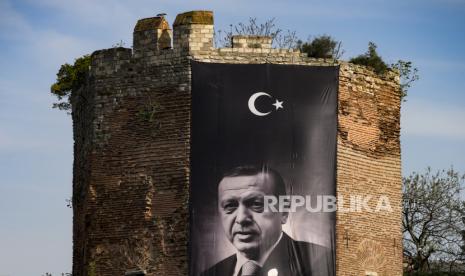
149	114
69	79
91	269
407	72
372	59
279	38
323	46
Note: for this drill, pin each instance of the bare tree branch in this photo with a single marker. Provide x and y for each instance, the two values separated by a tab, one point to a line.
433	219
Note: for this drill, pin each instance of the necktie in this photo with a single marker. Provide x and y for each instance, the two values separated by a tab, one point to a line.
250	269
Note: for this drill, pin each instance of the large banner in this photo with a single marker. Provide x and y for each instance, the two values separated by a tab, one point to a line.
263	169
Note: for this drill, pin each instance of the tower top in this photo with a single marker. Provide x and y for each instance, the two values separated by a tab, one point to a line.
152	23
194	17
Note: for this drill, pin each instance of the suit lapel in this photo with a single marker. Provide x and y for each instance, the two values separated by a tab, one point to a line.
228	266
224	268
279	259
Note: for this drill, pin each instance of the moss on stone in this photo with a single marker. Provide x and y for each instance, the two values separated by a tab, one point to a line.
194	17
151	23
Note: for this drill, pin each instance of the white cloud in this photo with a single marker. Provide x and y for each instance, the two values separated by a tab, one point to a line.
12	24
109	15
44	46
27	121
53	48
102	13
430	119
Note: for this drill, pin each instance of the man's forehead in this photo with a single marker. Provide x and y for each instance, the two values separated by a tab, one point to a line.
260	181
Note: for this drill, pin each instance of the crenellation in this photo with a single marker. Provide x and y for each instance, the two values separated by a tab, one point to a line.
151	35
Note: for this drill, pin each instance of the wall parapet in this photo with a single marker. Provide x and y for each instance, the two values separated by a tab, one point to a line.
109	61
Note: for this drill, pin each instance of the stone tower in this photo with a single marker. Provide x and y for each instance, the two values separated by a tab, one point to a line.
131	123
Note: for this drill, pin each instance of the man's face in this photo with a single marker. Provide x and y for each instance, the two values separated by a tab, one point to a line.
241	205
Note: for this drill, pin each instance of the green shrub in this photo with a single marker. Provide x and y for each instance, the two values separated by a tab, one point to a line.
69	79
371	59
323	46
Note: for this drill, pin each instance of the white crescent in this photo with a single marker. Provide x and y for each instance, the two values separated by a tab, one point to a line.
252	100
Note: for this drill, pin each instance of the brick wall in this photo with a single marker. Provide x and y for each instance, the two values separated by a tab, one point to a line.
131	169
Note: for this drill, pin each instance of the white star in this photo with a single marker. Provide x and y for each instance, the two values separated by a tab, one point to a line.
278	104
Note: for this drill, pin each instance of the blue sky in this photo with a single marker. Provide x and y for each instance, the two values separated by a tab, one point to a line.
36	37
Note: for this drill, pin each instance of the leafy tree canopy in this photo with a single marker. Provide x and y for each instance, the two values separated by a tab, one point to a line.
407	73
372	59
323	46
69	79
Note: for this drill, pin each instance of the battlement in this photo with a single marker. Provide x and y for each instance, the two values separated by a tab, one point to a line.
192	35
151	35
252	41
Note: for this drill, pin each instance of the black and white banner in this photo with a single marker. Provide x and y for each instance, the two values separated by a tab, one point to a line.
263	158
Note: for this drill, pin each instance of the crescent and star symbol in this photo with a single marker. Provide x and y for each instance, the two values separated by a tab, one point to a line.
278	104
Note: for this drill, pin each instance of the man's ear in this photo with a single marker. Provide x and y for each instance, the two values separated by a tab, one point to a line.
284	216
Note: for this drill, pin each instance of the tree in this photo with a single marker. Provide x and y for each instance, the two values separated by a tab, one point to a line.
372	59
433	225
323	46
69	79
407	73
462	246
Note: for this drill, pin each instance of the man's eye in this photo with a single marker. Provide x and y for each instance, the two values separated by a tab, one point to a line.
230	207
257	206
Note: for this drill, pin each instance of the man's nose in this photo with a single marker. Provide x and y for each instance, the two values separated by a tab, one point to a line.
243	215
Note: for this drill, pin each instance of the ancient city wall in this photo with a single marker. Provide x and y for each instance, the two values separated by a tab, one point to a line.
132	134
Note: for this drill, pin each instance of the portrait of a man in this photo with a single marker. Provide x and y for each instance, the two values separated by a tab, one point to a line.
262	246
262	133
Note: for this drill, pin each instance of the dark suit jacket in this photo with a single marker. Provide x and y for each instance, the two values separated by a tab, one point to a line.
290	258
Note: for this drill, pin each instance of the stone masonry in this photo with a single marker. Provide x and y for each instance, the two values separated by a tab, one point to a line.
131	124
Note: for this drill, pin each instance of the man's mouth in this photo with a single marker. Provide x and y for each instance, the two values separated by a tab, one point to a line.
245	236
